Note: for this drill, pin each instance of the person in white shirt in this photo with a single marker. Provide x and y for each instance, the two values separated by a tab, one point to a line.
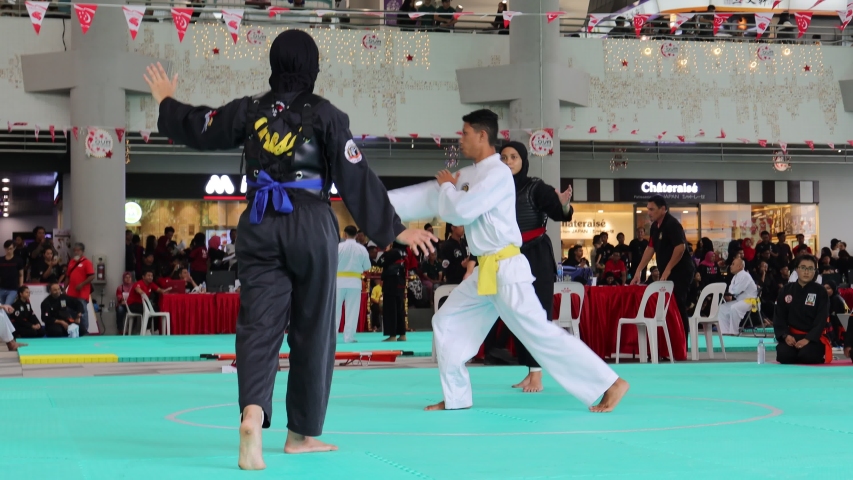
482	199
353	261
736	307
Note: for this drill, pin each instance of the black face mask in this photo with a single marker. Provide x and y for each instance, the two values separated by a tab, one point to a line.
520	178
295	62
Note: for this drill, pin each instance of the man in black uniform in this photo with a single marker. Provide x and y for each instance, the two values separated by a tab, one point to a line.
60	313
455	256
635	251
296	145
668	243
802	311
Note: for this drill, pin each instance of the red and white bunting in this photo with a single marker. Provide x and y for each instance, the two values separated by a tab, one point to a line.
321	13
273	11
743	140
508	16
594	20
37	130
85	15
640	21
810	143
613	129
661	135
762	21
845	16
551	16
436	138
65	133
52	134
36	10
76	132
722	134
133	14
505	134
850	142
762	142
120	133
818	2
528	131
413	135
679	21
15	124
804	19
775	4
635	132
233	17
831	145
681	138
784	147
181	18
459	133
416	15
719	20
146	134
593	130
700	134
391	138
461	14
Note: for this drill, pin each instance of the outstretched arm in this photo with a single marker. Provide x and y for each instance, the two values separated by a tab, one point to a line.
461	207
556	204
416	202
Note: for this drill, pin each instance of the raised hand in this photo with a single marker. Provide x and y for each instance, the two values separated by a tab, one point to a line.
417	239
445	176
158	80
566	196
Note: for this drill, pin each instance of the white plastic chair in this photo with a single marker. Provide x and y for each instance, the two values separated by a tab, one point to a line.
716	291
565	318
128	321
149	313
647	327
440	292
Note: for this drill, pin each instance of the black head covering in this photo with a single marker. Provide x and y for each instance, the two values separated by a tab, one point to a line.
832	285
520	178
295	62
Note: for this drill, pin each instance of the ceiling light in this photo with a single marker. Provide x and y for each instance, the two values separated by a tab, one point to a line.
601	211
5	180
5	214
685	211
5	189
639	211
6	203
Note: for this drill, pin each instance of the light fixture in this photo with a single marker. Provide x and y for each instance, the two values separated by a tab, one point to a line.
601	211
683	62
685	211
418	4
7	203
717	51
753	64
5	180
5	214
639	211
217	16
786	52
5	189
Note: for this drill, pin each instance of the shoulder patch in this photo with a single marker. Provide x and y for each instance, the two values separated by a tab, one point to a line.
464	187
351	152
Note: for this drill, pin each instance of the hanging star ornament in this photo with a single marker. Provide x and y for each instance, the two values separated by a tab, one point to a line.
409	58
624	63
216	51
807	68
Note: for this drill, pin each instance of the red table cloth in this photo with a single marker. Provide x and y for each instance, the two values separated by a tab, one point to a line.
213	313
602	309
847	295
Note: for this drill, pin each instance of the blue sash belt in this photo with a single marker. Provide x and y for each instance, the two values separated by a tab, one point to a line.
280	200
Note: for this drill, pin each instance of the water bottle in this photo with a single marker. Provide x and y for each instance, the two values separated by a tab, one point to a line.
761	352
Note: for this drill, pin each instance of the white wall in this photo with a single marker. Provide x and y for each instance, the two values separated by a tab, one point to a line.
24	224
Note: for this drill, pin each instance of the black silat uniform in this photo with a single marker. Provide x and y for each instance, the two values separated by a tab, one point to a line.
394	292
25	320
60	308
663	239
288	261
804	309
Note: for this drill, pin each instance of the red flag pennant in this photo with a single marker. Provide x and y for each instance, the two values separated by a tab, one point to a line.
804	19
146	134
459	133
662	134
461	14
85	14
233	17
52	134
413	135
416	15
761	142
508	16
551	16
743	140
700	134
65	133
569	127
593	130
681	138
436	138
680	18
277	11
613	129
784	147
181	18
635	132
391	138
850	142
810	144
120	133
722	134
594	20
818	2
15	124
762	21
36	10
845	16
831	145
76	132
775	4
505	134
719	20
37	130
640	21
133	14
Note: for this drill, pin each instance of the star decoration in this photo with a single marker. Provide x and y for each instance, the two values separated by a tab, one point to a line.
216	51
624	63
110	154
807	68
409	58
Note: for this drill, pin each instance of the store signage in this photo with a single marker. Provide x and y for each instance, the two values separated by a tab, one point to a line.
679	191
222	185
132	213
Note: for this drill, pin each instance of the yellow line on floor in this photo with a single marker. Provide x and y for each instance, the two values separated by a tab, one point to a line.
84	358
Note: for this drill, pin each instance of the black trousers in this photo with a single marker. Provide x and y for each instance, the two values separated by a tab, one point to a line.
375	315
393	312
26	330
813	353
55	330
288	271
540	255
681	278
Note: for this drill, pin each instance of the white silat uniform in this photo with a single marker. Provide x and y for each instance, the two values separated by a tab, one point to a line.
731	313
483	201
7	330
353	260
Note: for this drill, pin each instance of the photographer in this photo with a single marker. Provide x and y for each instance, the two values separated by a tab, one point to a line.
36	249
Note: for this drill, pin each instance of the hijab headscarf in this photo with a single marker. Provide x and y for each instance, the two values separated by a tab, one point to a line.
521	177
214	243
295	62
125	286
833	286
709	260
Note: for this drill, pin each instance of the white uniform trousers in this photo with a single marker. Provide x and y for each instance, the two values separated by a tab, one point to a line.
6	328
730	314
352	298
463	321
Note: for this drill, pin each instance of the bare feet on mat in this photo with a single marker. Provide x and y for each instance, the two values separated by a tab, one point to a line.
440	406
611	397
402	338
390	339
534	383
524	383
251	440
13	346
297	443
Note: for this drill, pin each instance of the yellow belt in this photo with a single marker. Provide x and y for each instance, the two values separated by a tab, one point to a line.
349	274
488	282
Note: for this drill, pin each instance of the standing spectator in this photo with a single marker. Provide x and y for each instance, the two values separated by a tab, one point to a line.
353	261
11	274
622	248
26	323
748	251
61	314
499	24
129	252
605	251
198	259
39	245
122	294
444	17
784	254
593	254
216	255
81	273
47	269
150	244
454	257
766	245
802	248
163	254
404	21
709	270
21	249
394	293
138	253
427	21
636	249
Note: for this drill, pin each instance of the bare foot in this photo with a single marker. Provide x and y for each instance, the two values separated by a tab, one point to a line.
611	397
524	383
13	346
534	383
390	339
251	440
297	443
402	338
437	406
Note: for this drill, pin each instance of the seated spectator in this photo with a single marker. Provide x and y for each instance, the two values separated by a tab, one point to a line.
768	290
610	280
837	306
576	258
800	319
741	288
7	330
61	314
47	268
825	267
26	323
694	292
617	267
147	264
11	274
709	271
122	294
190	281
142	287
654	275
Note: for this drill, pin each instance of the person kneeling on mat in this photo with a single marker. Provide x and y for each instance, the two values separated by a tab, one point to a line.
801	316
61	314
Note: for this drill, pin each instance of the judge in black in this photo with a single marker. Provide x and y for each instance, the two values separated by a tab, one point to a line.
801	316
23	318
669	245
535	202
295	144
60	313
394	293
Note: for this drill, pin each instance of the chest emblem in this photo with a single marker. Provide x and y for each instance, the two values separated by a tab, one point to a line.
810	299
789	299
464	187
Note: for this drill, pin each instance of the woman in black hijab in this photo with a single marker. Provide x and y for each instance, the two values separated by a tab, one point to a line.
535	203
837	306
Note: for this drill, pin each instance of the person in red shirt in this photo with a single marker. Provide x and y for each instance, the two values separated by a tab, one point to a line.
198	259
617	267
142	287
802	248
80	274
162	254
